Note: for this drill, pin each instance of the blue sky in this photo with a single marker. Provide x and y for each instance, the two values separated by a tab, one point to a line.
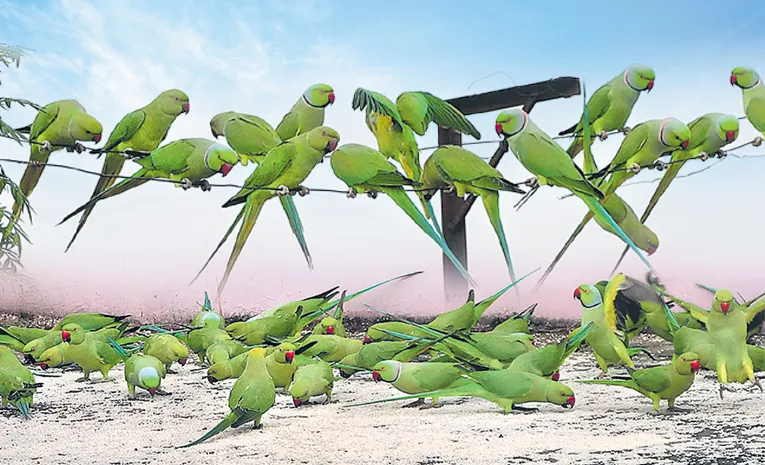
259	56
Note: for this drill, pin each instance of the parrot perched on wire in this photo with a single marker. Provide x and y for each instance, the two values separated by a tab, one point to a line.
551	165
465	172
284	168
754	95
307	113
394	126
365	170
187	161
57	125
141	130
709	134
611	105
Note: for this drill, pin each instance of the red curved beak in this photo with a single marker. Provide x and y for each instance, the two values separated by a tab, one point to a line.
296	402
43	365
725	306
332	145
367	340
185	107
498	128
730	136
577	293
224	170
183	361
289	356
650	85
651	251
97	138
330	330
685	143
152	391
695	366
376	376
570	402
733	79
65	336
555	376
331	97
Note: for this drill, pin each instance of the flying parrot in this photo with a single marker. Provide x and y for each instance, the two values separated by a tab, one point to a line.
252	395
17	383
610	106
253	138
141	130
415	378
754	95
465	172
394	126
661	382
312	380
753	328
57	125
551	165
284	168
709	134
307	113
365	170
188	161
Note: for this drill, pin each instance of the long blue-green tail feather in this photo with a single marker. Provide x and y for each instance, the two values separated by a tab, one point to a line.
329	305
472	389
220	244
217	429
118	348
491	204
434	219
288	204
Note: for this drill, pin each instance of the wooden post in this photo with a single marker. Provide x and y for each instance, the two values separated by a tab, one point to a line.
455	235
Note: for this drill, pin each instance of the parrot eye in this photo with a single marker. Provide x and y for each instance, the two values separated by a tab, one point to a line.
321	91
382	369
324	133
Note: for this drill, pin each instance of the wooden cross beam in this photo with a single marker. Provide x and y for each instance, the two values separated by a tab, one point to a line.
453	208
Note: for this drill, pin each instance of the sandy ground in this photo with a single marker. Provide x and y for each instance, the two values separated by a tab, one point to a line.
97	424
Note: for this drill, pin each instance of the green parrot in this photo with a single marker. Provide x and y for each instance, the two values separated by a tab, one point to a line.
307	113
227	369
198	340
56	356
57	125
224	350
610	106
253	138
281	324
143	371
89	352
141	130
466	172
661	382
551	165
371	354
36	347
754	95
312	380
187	161
415	378
167	348
394	126
516	322
753	328
332	324
91	321
284	361
328	347
546	361
726	323
506	388
252	395
17	383
284	168
696	340
365	170
709	134
311	305
207	316
609	349
16	337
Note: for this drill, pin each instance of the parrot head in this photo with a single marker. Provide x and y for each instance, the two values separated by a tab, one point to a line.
237	329
744	77
722	301
299	390
180	353
319	95
284	353
640	77
51	358
727	128
221	158
560	394
73	333
588	295
388	371
511	122
328	325
173	102
674	133
149	379
218	122
219	371
646	240
211	319
84	127
687	363
323	139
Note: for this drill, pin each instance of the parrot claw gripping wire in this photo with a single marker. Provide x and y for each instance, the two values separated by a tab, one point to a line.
77	147
282	190
372	194
721	154
635	168
352	193
757	141
603	135
625	130
303	191
205	185
186	184
703	156
532	183
660	165
47	146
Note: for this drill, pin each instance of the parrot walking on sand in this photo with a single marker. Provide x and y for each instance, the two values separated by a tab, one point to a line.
365	170
312	380
394	126
89	352
207	316
227	369
546	361
666	382
189	162
416	378
252	395
57	125
224	350
143	371
506	388
17	383
465	172
610	106
141	130
551	165
709	134
284	168
284	361
753	93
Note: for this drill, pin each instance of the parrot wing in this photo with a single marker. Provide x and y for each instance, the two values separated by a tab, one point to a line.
699	130
655	379
289	125
756	106
43	120
278	160
597	106
448	116
609	297
125	129
375	102
633	142
569	175
173	157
